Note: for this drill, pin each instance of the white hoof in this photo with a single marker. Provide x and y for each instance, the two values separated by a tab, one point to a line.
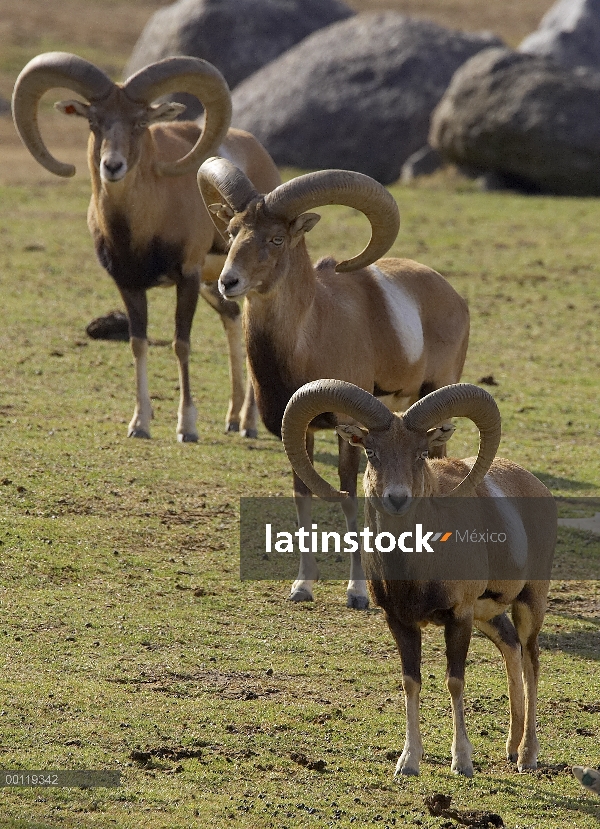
406	769
300	595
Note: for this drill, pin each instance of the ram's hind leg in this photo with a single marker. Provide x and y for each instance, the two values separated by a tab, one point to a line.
458	636
502	633
242	413
528	615
187	299
137	311
348	462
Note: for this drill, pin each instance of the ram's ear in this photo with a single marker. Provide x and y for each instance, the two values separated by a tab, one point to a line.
352	434
440	434
302	225
73	108
222	211
168	111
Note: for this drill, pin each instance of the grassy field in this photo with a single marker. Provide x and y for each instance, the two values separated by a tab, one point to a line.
129	641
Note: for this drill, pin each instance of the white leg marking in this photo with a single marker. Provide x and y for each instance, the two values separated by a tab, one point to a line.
302	588
187	412
513	664
139	426
249	412
356	593
529	748
237	358
405	315
462	749
413	745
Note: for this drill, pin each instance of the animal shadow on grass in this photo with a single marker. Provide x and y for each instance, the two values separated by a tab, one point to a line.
583	643
555	482
549	799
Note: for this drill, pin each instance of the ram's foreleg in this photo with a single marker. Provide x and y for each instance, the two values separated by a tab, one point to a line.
458	636
348	462
408	640
137	311
187	299
242	413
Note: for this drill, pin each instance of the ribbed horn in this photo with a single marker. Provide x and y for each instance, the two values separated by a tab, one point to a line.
198	78
221	181
352	189
461	400
314	399
49	71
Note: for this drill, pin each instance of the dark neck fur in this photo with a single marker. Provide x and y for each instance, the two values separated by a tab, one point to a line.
135	270
273	387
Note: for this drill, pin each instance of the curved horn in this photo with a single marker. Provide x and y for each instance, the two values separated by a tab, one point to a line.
461	400
312	400
356	190
198	78
220	180
48	71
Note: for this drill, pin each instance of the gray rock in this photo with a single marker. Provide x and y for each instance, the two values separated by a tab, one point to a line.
236	36
527	120
569	33
357	94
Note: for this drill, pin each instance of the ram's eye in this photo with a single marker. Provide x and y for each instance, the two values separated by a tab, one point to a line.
424	455
277	240
370	453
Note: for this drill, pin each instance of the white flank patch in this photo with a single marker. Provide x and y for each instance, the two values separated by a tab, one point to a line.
405	315
515	531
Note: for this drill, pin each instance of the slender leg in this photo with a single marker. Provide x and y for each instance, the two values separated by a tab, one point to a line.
187	299
242	411
349	459
408	640
458	636
502	633
249	413
528	615
302	588
137	311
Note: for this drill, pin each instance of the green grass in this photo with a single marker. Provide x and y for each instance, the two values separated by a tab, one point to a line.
125	626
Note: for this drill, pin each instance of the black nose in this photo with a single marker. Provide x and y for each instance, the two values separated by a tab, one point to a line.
228	283
113	166
398	502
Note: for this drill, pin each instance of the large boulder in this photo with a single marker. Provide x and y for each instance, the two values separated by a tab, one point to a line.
236	36
569	33
357	94
532	123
